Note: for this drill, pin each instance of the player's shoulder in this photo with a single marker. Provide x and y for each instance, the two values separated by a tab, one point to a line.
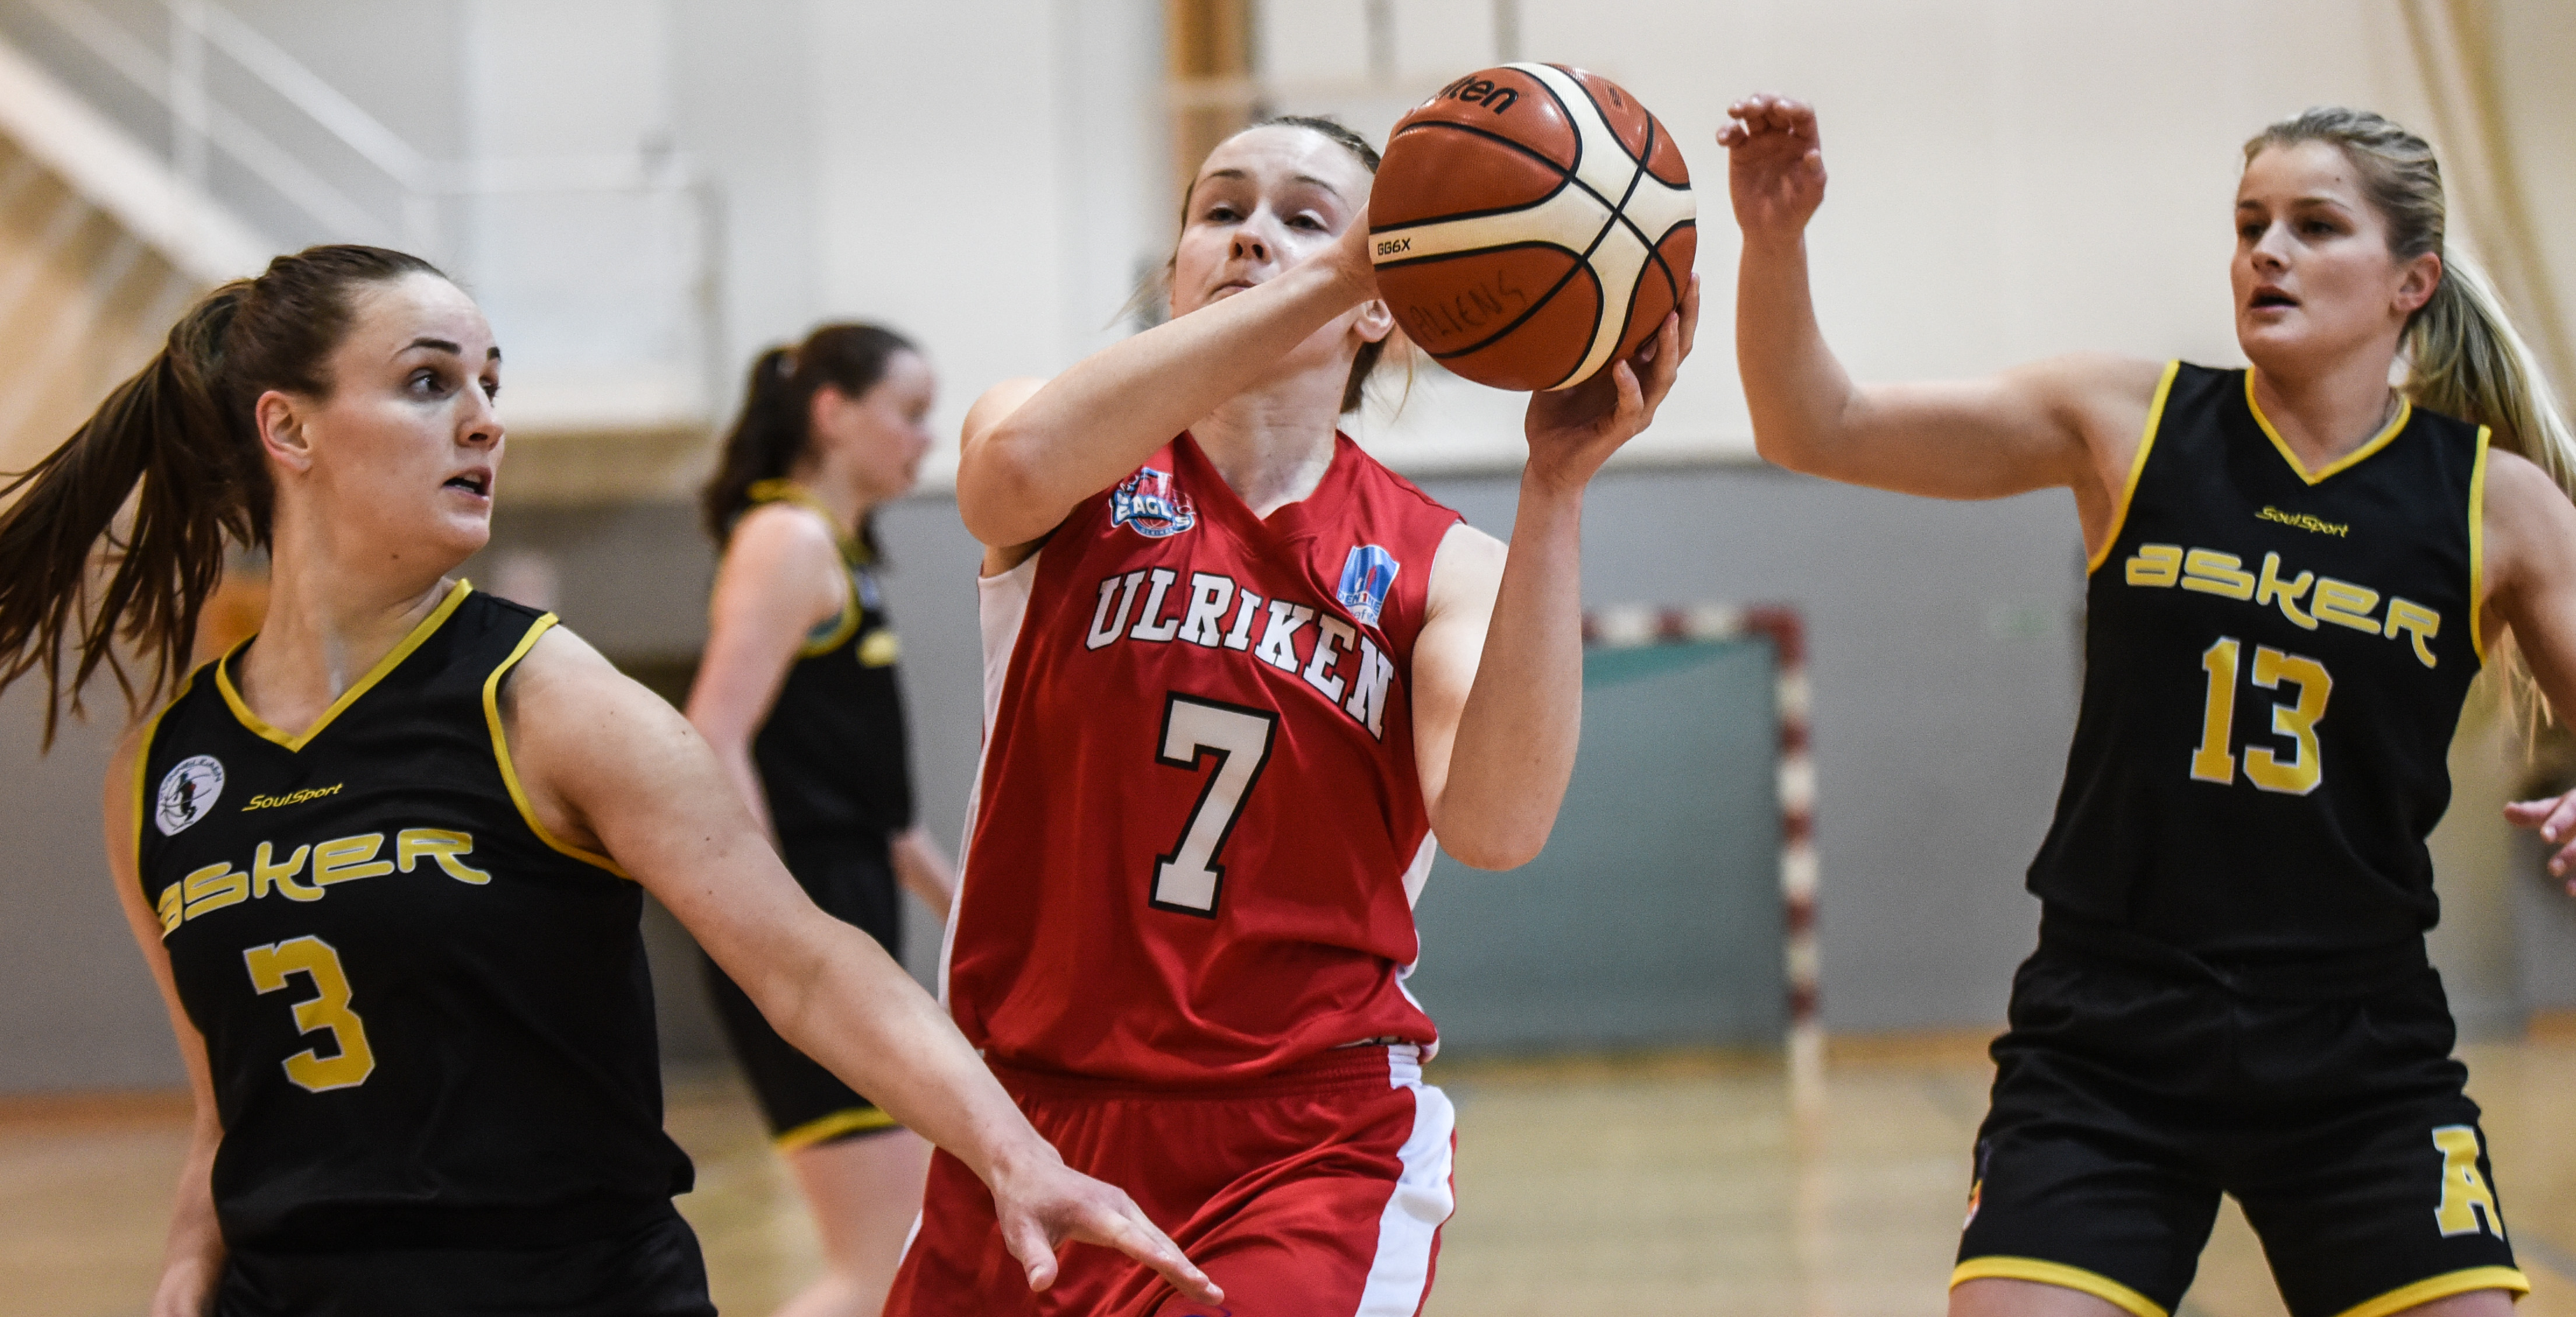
780	529
1468	568
560	662
2521	501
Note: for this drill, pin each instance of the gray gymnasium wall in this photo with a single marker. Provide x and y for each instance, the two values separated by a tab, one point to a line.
1944	667
1943	670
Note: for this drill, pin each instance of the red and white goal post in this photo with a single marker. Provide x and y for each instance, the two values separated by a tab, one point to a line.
1630	626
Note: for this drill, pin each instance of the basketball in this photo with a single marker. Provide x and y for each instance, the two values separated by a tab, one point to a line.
1531	224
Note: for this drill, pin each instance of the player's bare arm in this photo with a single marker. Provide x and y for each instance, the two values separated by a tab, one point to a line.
2073	420
2530	541
1499	666
610	767
1031	451
780	576
924	869
192	1260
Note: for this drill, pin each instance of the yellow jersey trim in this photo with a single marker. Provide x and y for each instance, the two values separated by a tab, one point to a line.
854	550
852	1120
265	731
510	771
2478	549
2137	468
2065	1277
2405	413
854	553
143	759
845	624
2441	1287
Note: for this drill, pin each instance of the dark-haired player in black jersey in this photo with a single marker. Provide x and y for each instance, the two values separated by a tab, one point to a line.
797	696
2295	572
386	858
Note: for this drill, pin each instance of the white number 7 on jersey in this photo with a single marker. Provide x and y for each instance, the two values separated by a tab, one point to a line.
1187	879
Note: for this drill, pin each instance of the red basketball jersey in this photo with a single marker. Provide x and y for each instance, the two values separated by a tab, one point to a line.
1198	829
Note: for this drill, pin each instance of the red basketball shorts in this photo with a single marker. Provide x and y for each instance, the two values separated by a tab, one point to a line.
1316	1192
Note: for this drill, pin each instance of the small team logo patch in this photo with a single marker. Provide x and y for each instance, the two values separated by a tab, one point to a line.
187	793
1367	574
1149	504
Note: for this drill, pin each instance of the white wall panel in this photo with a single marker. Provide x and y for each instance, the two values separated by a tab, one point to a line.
2010	177
985	176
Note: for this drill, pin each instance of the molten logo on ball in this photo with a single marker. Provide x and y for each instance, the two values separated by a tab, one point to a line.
1532	223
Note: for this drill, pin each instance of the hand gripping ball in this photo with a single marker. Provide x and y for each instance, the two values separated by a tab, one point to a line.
1531	224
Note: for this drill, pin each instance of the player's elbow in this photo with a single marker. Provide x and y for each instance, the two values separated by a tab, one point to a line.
1788	447
1771	447
996	488
1497	849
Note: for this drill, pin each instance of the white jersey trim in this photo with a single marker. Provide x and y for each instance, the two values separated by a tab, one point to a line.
1408	1231
1419	872
1002	609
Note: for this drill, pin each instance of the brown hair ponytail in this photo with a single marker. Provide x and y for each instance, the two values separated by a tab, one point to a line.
179	440
770	436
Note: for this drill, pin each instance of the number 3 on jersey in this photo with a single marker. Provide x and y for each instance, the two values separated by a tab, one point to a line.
1187	879
325	1012
2296	776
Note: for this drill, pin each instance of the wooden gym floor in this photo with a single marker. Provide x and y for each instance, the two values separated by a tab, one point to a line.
1672	1185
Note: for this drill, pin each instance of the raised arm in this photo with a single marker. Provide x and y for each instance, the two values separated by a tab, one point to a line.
610	768
2072	421
1033	449
780	576
192	1258
1498	669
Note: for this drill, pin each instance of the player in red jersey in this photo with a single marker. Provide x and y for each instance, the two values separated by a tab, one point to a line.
1237	675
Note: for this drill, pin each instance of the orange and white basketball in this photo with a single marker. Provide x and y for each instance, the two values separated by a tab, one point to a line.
1531	224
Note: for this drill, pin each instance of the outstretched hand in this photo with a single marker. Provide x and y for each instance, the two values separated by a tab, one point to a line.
1046	1205
1775	164
2555	819
1573	431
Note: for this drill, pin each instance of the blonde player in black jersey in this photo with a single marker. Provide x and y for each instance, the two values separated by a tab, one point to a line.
798	696
398	941
2294	572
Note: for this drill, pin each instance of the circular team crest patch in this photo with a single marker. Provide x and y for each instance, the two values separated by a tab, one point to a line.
187	793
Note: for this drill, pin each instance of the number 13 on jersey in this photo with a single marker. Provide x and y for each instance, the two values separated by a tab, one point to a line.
2213	762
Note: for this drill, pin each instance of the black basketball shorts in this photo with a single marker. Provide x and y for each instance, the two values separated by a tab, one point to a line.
2128	1096
804	1103
650	1269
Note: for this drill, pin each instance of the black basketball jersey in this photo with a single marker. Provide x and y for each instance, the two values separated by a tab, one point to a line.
2274	666
429	1021
832	754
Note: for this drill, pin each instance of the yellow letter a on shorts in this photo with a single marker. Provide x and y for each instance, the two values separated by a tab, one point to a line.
2464	1192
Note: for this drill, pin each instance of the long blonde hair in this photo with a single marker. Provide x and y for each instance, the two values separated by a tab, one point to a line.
2463	356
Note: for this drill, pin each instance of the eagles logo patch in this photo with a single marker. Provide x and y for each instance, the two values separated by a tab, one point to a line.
187	793
1151	505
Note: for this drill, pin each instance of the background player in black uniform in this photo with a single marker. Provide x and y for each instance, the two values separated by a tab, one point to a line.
797	695
395	942
2295	572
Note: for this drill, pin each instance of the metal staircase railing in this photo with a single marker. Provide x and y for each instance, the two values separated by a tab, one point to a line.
604	270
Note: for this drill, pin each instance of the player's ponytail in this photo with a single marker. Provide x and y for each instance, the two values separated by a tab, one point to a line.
2463	356
179	441
771	436
2465	359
